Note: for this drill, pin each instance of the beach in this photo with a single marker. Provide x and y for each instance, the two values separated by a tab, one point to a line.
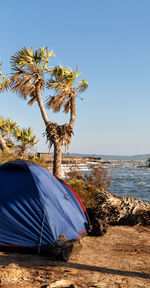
119	259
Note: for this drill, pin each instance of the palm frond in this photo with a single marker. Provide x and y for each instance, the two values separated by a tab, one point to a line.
45	55
52	84
64	74
49	101
67	106
5	83
55	102
7	126
28	60
24	84
64	86
28	71
83	85
33	99
23	58
25	136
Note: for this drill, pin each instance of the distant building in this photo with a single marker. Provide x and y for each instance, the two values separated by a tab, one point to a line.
45	156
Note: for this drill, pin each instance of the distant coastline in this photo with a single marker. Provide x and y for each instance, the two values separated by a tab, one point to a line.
110	157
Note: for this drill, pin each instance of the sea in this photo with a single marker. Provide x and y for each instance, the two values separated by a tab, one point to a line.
130	179
129	176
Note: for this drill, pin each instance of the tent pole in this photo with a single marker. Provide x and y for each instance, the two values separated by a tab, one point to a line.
39	249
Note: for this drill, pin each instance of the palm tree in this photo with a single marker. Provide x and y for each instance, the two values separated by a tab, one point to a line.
7	127
65	88
26	140
4	85
28	80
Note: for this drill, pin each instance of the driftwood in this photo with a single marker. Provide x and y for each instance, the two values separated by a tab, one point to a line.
115	210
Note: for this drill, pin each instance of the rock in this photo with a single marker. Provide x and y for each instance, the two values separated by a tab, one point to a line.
98	226
59	284
62	237
64	249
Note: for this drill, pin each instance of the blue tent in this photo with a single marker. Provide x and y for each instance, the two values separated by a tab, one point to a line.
36	208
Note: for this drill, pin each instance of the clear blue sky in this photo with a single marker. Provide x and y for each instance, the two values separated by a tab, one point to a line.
109	41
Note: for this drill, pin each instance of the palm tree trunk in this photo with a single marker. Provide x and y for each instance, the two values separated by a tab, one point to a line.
3	146
40	103
58	145
57	159
23	150
73	110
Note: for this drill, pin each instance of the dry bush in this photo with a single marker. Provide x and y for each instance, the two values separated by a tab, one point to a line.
87	186
5	157
74	172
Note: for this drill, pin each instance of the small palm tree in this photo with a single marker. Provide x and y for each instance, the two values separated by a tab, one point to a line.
4	85
26	140
65	88
7	127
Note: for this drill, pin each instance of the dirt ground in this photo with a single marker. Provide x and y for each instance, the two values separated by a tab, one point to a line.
119	259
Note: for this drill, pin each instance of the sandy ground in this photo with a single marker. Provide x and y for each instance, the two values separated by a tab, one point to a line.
119	259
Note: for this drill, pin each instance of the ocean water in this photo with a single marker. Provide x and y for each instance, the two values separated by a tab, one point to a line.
130	179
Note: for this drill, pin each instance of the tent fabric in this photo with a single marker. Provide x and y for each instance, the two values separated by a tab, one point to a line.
36	207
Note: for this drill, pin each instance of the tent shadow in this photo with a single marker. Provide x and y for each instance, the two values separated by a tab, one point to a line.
43	262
